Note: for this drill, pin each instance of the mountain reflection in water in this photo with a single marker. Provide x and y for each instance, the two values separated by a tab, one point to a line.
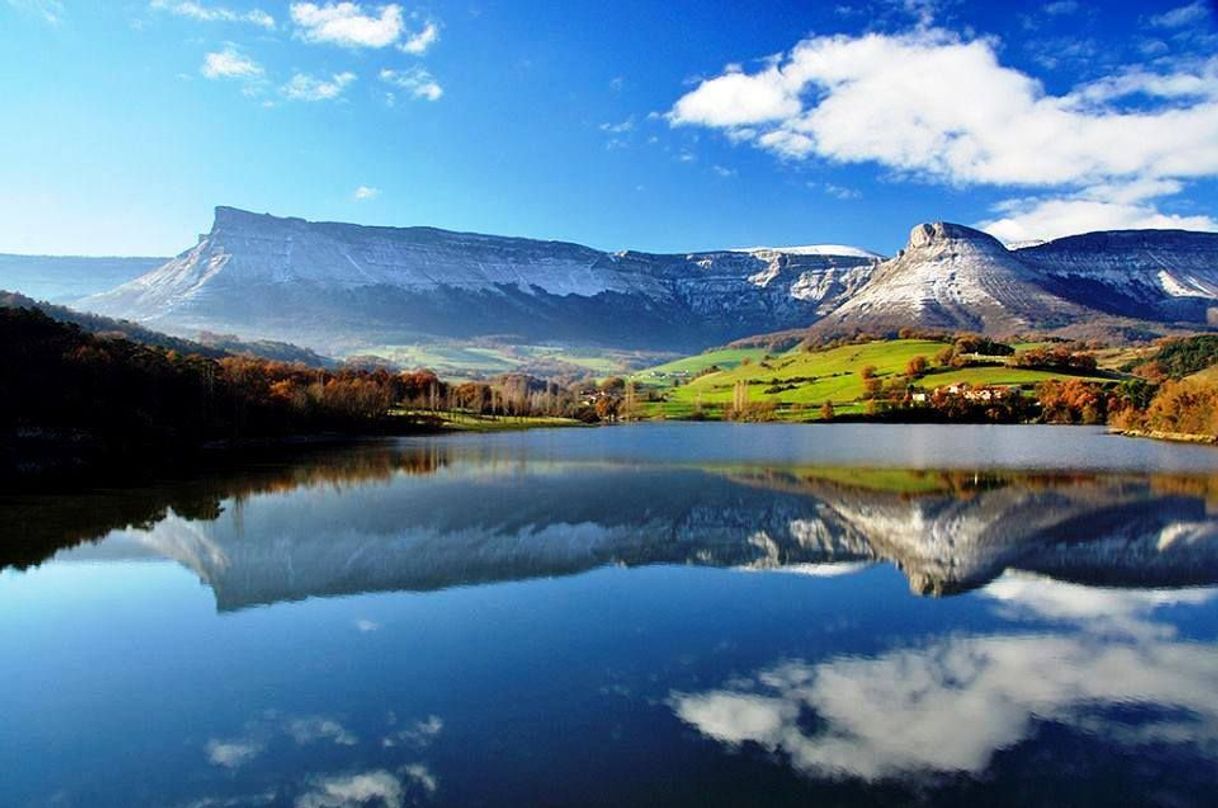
425	517
658	615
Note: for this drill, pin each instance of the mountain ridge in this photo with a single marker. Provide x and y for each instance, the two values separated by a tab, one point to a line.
335	286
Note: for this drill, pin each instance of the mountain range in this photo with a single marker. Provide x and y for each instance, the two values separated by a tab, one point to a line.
342	288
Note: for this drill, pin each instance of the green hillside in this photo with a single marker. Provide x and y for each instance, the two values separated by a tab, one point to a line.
799	382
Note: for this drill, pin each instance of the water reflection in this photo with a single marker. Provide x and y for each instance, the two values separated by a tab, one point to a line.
423	518
950	705
1074	661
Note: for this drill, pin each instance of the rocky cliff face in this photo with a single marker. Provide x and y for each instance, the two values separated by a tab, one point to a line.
323	284
953	277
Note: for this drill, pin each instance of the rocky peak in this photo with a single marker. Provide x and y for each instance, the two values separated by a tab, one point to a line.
934	234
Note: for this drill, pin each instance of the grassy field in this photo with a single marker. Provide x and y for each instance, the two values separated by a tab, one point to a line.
461	361
725	358
800	382
469	422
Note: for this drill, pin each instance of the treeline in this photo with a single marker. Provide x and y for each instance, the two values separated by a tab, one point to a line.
208	344
69	394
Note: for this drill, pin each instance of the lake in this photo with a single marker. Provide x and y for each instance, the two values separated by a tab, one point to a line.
662	614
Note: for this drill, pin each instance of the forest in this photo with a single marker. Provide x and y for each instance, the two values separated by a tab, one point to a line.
71	398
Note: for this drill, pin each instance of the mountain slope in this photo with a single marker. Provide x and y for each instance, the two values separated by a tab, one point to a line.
1168	275
328	284
953	277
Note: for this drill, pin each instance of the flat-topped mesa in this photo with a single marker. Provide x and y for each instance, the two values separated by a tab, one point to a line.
931	234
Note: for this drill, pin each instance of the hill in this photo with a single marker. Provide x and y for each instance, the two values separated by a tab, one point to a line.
212	346
799	382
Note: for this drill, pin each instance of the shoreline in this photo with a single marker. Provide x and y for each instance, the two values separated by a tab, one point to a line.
1170	437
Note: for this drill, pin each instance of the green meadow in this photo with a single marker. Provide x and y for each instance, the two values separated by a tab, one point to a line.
800	381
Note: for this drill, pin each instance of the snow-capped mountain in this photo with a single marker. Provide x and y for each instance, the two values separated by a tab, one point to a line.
951	276
334	287
1169	275
323	284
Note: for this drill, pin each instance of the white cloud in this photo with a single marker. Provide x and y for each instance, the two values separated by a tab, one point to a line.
347	24
231	754
420	735
620	128
229	64
931	105
1061	7
377	787
1181	16
51	11
423	776
364	625
1049	218
310	730
419	42
205	13
951	705
416	81
303	87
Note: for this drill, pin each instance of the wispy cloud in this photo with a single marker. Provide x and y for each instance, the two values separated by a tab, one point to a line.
311	730
206	13
419	42
416	81
230	64
51	11
304	87
232	754
1181	16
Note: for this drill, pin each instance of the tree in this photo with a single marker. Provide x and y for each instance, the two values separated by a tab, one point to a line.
868	372
916	367
827	413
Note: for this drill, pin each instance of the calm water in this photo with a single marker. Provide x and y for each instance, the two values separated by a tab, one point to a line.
666	614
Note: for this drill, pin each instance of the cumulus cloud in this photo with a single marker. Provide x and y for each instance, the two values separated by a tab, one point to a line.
364	625
416	81
206	13
377	787
929	104
303	87
348	24
1048	218
229	64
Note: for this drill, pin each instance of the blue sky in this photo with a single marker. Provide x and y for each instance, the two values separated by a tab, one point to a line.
665	126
